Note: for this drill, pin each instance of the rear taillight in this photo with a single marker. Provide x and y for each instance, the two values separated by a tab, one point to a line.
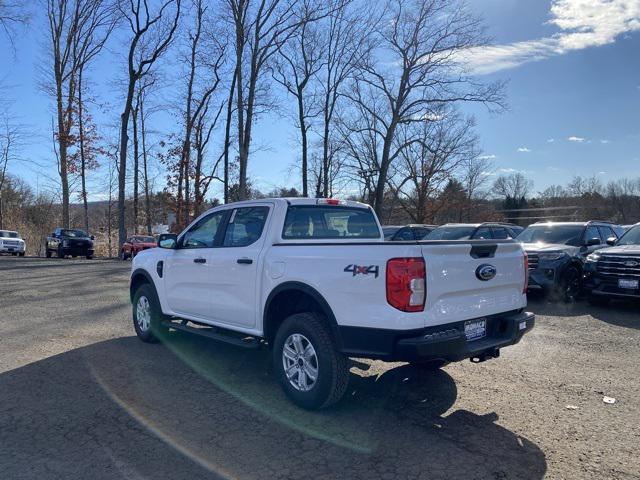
526	272
406	284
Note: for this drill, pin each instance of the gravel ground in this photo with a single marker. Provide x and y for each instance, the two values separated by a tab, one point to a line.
81	397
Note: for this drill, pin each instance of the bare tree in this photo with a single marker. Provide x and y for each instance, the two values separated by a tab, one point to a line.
205	58
12	14
435	151
261	27
299	61
346	42
421	42
151	35
11	139
513	186
78	29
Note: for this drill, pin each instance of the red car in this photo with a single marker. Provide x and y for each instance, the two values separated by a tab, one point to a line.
135	244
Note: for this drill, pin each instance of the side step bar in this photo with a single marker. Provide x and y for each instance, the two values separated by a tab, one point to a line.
208	332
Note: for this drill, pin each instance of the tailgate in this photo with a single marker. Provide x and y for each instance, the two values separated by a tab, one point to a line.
454	289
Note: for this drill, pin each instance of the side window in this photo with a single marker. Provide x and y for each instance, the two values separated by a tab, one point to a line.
500	233
606	233
419	233
591	232
404	234
482	233
203	233
245	226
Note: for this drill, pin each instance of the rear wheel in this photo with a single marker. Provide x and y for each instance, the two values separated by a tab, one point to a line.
89	257
123	255
147	314
312	372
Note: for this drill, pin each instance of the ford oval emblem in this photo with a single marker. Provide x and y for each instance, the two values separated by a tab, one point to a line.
631	263
486	272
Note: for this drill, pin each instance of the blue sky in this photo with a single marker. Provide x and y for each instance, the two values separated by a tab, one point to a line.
573	75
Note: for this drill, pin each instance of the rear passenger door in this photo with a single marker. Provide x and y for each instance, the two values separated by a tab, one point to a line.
236	266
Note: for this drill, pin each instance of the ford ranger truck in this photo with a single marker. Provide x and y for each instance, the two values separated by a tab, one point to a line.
315	281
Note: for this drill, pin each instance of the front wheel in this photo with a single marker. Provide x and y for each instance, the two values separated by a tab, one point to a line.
312	372
570	285
123	256
47	254
89	257
147	314
60	252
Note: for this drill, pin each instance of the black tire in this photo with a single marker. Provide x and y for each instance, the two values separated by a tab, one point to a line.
89	257
570	285
60	252
599	300
123	256
47	253
332	366
21	254
15	254
155	330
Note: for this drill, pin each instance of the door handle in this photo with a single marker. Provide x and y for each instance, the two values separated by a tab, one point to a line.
200	260
245	261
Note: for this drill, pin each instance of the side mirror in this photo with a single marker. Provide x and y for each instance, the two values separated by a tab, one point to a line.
593	241
92	237
168	240
611	241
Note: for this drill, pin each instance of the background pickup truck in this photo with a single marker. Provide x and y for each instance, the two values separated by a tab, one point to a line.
69	242
315	280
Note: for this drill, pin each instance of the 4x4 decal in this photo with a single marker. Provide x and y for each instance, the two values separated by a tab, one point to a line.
362	270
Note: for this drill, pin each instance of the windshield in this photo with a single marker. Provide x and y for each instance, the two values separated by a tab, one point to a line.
74	233
144	239
451	233
632	237
6	234
552	234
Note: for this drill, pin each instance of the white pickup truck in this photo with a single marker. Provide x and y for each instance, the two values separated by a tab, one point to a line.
315	280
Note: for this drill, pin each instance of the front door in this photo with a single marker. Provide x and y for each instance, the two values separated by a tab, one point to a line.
188	271
236	265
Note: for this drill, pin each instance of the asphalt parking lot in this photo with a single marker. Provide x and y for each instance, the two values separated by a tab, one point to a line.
81	397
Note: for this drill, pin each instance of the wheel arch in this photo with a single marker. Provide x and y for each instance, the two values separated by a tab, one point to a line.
295	297
139	277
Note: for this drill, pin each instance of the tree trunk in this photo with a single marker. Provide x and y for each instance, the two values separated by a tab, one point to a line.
63	168
303	134
122	166
136	168
147	197
83	159
227	135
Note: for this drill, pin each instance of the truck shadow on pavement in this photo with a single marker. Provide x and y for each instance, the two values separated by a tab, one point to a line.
621	313
195	409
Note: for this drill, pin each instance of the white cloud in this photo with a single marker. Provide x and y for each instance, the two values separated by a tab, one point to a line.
604	141
576	139
581	23
524	150
602	173
551	140
487	157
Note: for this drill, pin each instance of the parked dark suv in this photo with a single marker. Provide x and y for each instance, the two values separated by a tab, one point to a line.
69	242
472	231
557	252
615	272
399	233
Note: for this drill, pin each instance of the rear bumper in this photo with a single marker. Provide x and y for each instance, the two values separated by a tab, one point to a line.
443	342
